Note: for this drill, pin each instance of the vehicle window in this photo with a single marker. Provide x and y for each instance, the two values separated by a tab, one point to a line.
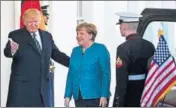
151	34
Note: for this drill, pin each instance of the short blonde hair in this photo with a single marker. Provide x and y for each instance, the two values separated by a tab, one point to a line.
89	27
31	12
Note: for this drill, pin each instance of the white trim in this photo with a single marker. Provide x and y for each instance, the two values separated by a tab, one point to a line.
136	77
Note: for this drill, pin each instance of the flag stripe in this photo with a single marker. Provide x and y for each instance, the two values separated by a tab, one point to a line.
166	91
161	75
154	82
152	78
149	104
159	82
151	65
151	74
156	72
152	70
163	89
163	72
155	67
165	84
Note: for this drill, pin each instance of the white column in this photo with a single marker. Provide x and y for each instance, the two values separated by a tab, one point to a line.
62	25
50	11
169	28
141	6
98	19
132	6
112	36
17	13
88	11
168	4
93	12
42	3
153	4
7	25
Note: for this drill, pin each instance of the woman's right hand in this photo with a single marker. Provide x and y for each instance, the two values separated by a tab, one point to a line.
67	101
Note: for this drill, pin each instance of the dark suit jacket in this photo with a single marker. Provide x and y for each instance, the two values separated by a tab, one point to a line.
29	72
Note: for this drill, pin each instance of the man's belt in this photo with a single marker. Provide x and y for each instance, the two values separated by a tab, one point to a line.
136	77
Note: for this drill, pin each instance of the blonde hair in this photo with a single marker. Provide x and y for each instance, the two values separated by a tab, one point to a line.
89	27
31	12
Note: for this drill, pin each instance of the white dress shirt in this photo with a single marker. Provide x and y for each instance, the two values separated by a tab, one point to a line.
38	38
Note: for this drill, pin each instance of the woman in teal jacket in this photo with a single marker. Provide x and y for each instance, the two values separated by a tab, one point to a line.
89	73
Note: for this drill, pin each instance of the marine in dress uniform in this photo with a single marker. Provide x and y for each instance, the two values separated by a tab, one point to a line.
131	63
45	13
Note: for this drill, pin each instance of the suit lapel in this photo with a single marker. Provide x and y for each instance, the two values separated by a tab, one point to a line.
30	40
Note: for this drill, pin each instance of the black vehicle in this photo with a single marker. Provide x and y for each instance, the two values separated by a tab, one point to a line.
152	20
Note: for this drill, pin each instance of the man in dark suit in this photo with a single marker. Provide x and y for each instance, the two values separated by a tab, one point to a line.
31	49
131	63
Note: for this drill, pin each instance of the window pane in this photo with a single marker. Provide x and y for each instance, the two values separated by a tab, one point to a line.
151	34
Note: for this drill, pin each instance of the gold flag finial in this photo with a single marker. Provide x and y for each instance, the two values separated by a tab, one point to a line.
160	32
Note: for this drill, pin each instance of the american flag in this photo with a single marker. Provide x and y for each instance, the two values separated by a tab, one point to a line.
161	76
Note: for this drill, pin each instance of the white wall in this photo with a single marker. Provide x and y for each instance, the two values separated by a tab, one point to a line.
7	24
62	24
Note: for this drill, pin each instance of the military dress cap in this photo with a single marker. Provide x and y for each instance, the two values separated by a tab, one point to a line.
127	17
44	10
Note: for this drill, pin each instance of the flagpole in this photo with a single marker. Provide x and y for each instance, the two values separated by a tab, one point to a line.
163	100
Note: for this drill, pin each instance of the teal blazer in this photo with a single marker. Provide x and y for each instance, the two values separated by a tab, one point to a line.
89	72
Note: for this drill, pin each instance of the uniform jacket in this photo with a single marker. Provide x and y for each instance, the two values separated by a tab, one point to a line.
132	58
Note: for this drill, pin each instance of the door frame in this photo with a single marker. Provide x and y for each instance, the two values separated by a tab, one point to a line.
155	14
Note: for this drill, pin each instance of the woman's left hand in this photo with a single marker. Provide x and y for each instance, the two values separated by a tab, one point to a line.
103	102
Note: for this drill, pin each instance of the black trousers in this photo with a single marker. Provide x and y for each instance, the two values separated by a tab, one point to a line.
87	102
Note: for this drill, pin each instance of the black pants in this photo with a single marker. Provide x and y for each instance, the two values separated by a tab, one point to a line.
87	102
